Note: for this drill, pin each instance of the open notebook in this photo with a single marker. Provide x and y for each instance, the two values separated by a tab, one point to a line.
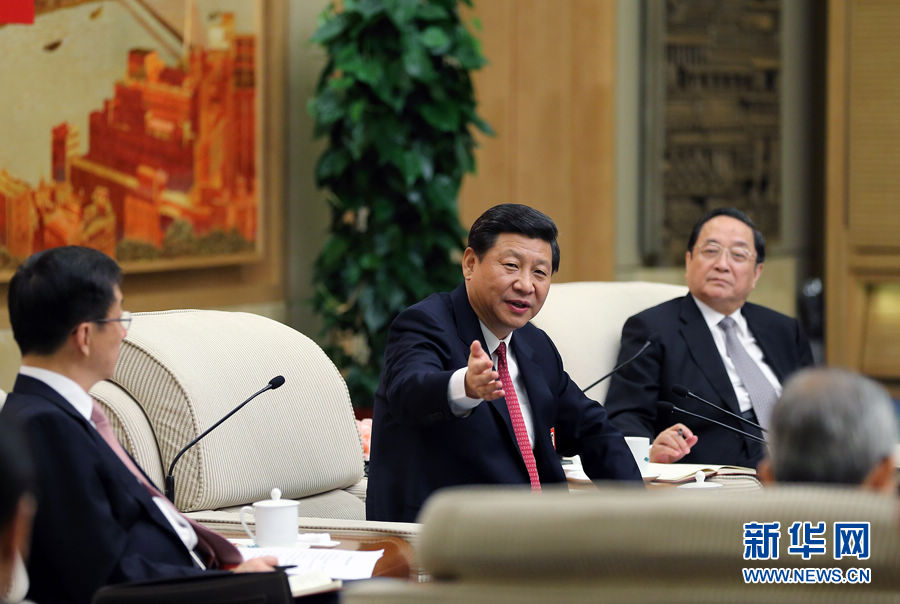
677	473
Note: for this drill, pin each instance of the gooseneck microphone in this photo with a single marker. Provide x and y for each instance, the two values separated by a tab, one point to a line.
668	407
683	392
274	383
622	364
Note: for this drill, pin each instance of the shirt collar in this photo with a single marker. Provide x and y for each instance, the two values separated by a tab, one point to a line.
65	387
493	341
713	317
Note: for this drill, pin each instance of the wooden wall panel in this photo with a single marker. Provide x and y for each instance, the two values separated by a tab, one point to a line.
863	188
548	92
874	127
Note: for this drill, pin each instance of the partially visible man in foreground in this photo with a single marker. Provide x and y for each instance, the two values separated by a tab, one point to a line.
472	393
16	512
832	426
98	519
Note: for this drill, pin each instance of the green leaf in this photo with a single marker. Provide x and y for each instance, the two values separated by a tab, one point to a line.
464	157
417	62
383	210
436	40
357	108
330	29
443	115
400	11
334	250
431	12
327	108
411	167
468	50
367	8
481	124
331	163
340	84
442	191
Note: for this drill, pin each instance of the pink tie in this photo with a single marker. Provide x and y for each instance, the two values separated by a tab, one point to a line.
515	415
220	551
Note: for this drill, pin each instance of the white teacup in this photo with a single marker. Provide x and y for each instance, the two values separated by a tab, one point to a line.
276	521
640	449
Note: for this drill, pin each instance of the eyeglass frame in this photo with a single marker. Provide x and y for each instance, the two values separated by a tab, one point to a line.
728	251
125	320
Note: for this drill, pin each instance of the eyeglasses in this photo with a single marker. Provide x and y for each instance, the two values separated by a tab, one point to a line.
738	255
125	320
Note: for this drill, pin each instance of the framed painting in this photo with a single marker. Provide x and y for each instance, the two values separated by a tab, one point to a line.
133	127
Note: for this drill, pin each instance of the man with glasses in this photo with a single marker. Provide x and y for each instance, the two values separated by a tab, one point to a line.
98	520
713	343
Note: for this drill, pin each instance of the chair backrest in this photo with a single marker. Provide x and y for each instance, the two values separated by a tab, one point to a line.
584	319
662	545
181	371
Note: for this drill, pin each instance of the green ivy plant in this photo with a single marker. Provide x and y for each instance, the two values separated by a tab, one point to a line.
396	103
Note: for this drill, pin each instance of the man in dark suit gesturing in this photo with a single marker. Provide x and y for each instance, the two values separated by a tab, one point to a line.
472	393
714	343
98	521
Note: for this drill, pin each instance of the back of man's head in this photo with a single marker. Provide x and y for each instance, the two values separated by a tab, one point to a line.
16	500
54	291
517	219
832	426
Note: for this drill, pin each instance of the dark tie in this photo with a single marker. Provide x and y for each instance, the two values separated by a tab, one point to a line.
219	551
762	393
515	415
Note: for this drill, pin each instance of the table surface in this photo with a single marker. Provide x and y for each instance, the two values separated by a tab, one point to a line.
398	560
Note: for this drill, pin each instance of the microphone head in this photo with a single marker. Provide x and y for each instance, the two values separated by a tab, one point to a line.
680	390
665	407
276	381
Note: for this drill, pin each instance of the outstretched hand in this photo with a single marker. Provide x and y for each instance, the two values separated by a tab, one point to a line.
481	379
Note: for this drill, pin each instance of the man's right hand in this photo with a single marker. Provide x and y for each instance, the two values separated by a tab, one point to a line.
672	444
481	379
260	564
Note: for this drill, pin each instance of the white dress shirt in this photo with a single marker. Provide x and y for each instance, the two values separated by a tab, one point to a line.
746	338
461	405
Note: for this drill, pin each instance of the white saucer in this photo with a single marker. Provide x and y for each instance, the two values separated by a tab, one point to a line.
700	485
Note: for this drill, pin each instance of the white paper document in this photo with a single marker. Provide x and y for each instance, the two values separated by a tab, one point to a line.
336	563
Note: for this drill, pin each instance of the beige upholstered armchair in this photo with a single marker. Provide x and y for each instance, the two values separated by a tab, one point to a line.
496	546
180	371
585	321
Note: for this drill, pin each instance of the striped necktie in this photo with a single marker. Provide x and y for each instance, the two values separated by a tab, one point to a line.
515	415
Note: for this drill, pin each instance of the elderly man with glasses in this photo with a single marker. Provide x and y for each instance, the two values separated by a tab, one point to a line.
713	343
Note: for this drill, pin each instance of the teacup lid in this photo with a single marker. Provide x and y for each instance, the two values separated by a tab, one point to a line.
276	500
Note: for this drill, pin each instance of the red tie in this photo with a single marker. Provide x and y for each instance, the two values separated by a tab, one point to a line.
515	415
220	551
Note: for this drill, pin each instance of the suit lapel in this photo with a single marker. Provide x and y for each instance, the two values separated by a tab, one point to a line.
29	386
703	351
469	330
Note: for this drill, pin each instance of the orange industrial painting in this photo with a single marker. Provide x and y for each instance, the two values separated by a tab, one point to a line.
130	126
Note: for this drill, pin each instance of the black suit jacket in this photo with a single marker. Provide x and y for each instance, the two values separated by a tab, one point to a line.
684	353
419	445
95	523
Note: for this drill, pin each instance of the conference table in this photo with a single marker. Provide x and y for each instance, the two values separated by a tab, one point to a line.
398	560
